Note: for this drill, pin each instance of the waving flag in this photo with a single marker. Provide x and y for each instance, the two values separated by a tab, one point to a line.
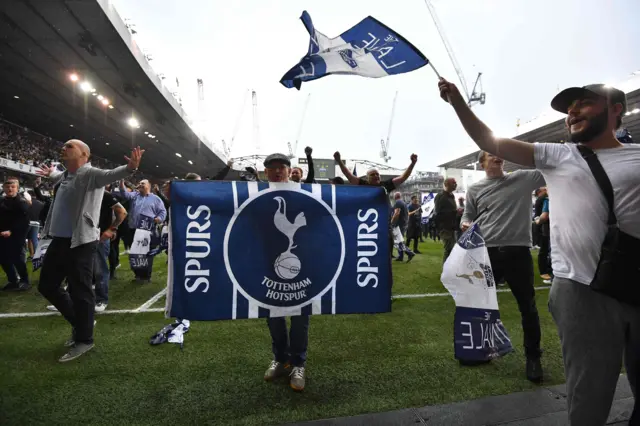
369	49
259	249
479	335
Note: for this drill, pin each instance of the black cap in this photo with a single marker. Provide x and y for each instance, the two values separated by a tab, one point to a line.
277	157
564	99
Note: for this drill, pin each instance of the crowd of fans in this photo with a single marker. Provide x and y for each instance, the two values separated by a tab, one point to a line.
27	147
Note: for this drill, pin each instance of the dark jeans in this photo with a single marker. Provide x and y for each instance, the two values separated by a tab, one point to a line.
76	305
114	255
101	271
12	258
544	260
515	266
291	348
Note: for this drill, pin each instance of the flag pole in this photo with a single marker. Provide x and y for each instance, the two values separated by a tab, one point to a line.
435	70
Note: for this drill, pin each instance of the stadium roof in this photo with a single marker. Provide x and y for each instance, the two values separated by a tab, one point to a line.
43	43
554	131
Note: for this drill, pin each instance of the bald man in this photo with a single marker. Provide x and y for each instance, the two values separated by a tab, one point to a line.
72	222
143	205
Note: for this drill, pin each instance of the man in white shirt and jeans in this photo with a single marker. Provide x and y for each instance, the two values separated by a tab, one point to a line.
596	331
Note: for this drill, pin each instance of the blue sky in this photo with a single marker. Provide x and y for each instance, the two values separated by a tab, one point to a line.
525	49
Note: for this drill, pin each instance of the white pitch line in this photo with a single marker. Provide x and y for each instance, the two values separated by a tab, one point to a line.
151	301
419	296
48	314
145	310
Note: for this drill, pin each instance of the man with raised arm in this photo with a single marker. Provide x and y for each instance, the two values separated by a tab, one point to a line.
373	176
595	330
73	223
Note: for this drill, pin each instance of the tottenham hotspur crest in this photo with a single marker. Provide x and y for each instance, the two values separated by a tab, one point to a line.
285	245
287	265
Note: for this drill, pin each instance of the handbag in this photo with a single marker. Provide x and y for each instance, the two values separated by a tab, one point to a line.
618	272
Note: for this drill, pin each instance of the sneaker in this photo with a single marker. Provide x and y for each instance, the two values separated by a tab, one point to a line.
546	281
52	308
11	287
534	369
410	256
276	369
23	286
77	350
297	379
100	307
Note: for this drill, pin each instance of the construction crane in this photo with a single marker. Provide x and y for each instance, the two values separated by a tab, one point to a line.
292	151
256	124
384	145
477	95
227	148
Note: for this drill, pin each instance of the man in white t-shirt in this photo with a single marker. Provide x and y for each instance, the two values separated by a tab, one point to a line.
596	331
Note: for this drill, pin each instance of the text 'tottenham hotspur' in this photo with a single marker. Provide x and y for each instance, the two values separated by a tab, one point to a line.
276	289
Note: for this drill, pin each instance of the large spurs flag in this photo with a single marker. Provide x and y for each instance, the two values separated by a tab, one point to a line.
369	49
259	249
479	335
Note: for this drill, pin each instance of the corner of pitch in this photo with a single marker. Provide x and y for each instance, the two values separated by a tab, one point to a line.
286	292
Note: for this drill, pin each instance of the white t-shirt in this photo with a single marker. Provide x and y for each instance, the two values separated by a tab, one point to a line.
578	211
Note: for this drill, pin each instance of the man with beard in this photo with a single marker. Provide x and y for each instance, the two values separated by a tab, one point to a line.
289	351
501	205
595	330
297	173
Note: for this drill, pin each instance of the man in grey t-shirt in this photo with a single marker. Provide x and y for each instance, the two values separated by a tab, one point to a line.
501	205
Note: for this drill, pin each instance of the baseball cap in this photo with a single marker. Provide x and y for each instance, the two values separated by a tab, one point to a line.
277	158
564	99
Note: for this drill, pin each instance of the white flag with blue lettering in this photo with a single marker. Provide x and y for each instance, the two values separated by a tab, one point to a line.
369	49
479	335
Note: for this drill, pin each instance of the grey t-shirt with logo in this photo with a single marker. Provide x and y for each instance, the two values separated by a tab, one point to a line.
505	204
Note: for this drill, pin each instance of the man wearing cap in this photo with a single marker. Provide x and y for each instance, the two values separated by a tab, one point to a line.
289	349
596	331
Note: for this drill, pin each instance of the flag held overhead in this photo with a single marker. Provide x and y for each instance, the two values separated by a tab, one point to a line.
369	49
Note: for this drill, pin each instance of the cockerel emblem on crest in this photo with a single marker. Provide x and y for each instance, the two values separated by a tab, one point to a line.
287	264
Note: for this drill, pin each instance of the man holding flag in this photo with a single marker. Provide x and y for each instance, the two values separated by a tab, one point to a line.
593	307
501	205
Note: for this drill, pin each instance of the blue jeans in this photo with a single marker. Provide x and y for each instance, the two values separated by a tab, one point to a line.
291	348
32	235
101	267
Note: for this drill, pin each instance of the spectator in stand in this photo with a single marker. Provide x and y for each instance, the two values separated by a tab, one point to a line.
14	224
